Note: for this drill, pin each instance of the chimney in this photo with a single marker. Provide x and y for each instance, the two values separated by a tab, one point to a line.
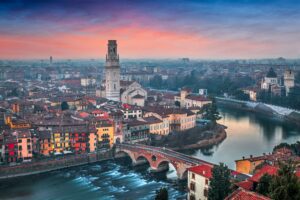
243	157
251	156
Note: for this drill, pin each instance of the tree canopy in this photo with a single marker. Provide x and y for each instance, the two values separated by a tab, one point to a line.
210	111
64	106
220	185
162	194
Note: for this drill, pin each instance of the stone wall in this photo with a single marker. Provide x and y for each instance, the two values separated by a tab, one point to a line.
51	164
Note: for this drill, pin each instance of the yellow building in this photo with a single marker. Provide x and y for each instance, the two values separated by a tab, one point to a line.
157	124
176	119
105	131
248	165
16	124
60	141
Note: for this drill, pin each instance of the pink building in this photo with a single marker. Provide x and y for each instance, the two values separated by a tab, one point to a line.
24	144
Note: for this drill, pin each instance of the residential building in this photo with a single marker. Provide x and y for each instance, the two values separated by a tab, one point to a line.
105	131
198	182
24	144
136	131
46	146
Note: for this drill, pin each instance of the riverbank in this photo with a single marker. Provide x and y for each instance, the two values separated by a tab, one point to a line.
198	137
52	164
277	113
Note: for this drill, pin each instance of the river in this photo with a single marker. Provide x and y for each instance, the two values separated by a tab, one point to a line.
247	134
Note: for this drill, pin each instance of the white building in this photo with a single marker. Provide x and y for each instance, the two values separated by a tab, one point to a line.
112	72
188	100
289	80
198	182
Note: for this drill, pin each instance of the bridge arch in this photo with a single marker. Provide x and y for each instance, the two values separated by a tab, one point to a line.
124	153
141	159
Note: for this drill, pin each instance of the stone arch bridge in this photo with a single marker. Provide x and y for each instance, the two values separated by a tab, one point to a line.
158	158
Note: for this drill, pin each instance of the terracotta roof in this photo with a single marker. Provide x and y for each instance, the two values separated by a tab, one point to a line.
247	185
267	169
241	194
202	170
197	98
152	120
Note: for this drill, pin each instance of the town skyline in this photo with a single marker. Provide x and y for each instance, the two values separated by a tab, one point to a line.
150	30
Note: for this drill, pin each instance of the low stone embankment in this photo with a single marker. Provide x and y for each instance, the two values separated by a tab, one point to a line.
216	138
198	137
52	164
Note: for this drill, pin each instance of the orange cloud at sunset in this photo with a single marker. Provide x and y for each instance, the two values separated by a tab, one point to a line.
134	42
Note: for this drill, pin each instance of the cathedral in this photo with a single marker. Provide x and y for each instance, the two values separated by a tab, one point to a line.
129	92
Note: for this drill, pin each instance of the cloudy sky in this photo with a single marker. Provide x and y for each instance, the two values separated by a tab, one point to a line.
207	29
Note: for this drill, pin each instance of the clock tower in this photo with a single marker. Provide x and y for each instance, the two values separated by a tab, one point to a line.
112	72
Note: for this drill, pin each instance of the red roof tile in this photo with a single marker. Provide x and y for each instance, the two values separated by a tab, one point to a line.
247	185
202	170
267	169
241	194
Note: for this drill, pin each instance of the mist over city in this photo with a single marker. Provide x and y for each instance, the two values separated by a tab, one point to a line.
149	100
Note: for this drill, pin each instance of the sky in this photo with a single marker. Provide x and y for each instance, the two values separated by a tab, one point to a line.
203	29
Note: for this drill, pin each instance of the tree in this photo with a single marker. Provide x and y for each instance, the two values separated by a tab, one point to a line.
162	194
286	184
177	103
239	94
64	106
210	112
263	186
219	186
156	82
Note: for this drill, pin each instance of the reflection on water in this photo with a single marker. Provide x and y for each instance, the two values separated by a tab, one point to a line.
105	180
247	134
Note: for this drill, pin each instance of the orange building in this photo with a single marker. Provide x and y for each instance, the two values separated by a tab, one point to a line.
46	146
248	165
16	123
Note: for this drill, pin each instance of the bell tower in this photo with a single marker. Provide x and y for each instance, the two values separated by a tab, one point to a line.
112	72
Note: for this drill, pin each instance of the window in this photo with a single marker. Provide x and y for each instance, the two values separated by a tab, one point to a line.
192	186
19	141
20	148
193	176
206	181
28	140
205	192
192	197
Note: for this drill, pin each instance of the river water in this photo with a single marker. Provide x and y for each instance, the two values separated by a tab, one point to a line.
246	134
